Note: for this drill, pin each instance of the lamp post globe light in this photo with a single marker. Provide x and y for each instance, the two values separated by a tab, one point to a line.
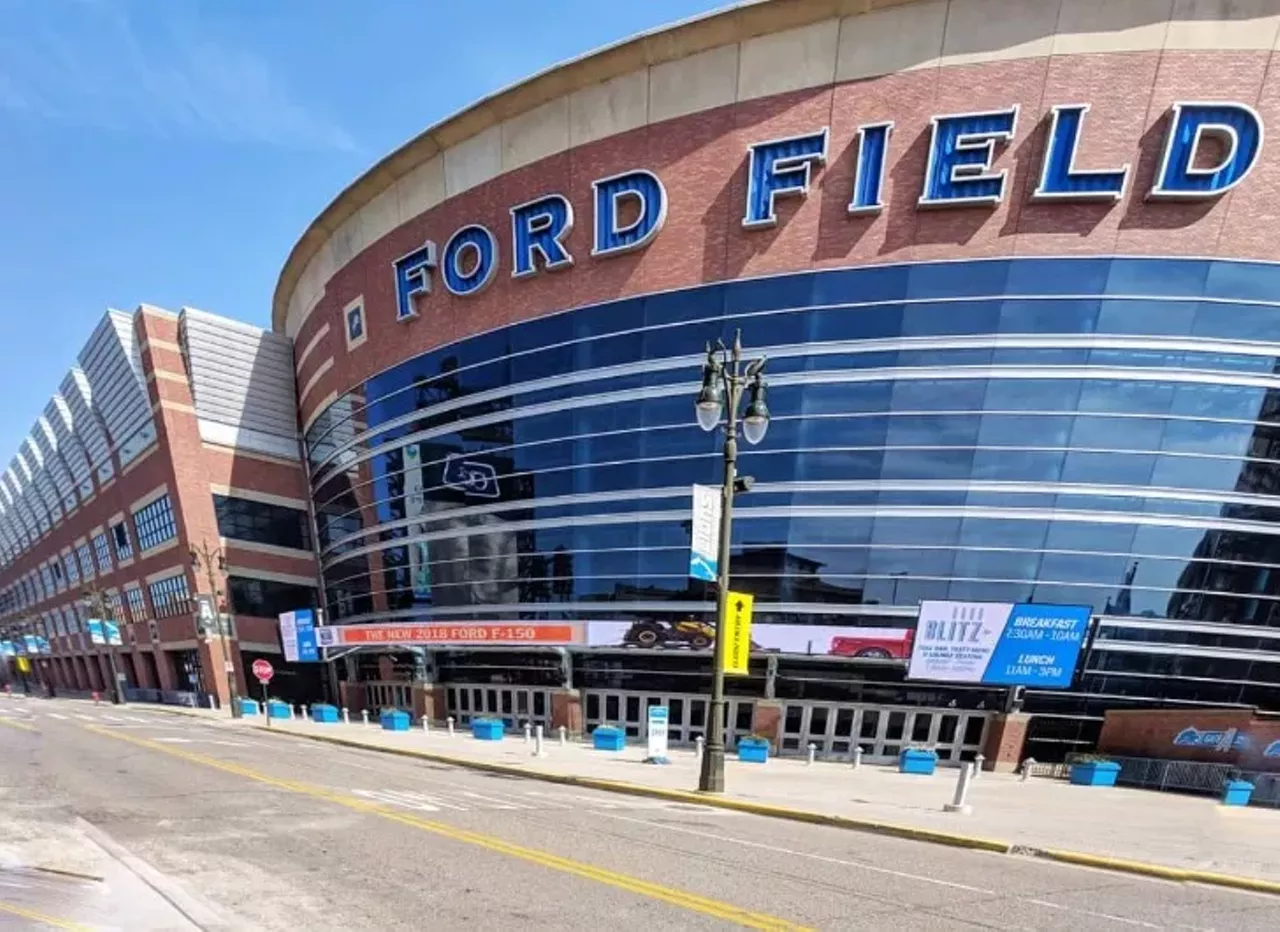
99	607
724	378
214	563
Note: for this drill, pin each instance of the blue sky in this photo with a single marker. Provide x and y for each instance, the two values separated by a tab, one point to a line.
171	151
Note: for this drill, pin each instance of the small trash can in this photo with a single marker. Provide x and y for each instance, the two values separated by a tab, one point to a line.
394	720
1237	793
486	729
608	738
917	761
324	713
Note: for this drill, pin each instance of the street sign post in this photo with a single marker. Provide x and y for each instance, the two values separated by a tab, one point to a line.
263	670
737	633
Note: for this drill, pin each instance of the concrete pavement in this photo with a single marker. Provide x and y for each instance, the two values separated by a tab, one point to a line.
289	834
1177	831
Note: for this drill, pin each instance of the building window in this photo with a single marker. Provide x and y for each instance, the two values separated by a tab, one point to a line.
55	569
73	571
102	550
243	519
86	561
154	523
120	534
117	608
266	598
137	607
354	315
169	596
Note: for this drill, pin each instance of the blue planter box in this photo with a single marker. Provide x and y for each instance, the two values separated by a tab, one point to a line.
278	710
248	707
486	729
913	760
1095	773
752	751
1237	793
607	738
324	713
394	720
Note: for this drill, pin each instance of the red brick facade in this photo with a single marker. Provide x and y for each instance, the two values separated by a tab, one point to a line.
187	466
1231	736
701	159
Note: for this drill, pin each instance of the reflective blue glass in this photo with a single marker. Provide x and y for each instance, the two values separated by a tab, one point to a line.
960	456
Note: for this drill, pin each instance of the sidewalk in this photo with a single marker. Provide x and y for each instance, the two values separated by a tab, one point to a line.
1186	833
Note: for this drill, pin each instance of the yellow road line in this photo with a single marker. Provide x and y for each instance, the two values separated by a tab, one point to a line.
51	921
690	901
16	724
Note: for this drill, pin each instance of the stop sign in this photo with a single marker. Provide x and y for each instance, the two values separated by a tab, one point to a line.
263	670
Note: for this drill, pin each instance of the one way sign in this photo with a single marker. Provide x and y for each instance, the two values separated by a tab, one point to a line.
737	629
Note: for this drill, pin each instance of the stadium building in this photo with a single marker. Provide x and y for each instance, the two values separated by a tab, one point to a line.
1012	265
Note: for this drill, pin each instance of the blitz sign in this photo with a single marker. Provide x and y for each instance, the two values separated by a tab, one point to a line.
630	208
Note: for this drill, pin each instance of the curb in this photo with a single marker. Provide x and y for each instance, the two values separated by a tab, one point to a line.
1159	871
888	829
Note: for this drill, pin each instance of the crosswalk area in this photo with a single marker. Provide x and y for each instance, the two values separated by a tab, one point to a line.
457	799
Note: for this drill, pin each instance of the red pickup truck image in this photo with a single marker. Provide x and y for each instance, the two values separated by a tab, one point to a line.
895	646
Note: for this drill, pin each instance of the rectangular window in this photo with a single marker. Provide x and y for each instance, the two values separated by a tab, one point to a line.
120	534
117	609
154	523
55	568
266	598
102	550
137	607
73	571
85	558
244	519
169	596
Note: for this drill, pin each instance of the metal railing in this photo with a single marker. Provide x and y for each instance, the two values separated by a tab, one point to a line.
167	697
1178	775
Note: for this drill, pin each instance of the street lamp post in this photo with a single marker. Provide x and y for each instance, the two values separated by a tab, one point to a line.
215	563
723	380
99	607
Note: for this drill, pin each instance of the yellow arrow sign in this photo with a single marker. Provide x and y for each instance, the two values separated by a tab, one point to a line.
737	633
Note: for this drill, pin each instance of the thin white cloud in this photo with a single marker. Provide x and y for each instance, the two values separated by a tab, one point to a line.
90	65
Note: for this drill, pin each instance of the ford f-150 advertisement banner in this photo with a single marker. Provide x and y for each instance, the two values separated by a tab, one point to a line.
692	634
998	643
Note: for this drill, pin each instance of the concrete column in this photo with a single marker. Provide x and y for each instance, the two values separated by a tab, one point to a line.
1005	742
566	710
766	721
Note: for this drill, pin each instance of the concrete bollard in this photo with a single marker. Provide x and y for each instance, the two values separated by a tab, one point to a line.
364	716
857	757
528	730
697	746
959	802
564	734
426	725
978	761
212	702
813	750
449	724
262	709
1026	768
306	711
346	717
537	742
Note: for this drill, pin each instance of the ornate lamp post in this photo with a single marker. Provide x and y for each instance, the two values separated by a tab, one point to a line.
214	564
724	379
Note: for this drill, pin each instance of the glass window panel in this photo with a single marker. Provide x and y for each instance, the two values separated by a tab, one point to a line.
1052	316
949	317
1148	277
1148	317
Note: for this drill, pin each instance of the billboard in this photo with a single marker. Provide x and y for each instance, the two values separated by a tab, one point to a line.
809	640
465	633
298	636
998	643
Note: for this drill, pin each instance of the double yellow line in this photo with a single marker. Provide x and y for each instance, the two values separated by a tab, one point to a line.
681	898
52	921
12	723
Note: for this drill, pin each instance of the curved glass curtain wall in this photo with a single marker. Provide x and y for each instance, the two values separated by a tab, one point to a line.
1100	431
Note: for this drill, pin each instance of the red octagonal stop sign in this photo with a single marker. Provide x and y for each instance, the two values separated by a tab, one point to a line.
263	670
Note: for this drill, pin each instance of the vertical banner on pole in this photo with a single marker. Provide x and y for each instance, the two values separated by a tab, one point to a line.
705	547
737	632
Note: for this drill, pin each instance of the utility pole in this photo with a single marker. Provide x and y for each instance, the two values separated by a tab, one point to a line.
214	563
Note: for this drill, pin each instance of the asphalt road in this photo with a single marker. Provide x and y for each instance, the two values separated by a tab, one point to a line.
212	826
